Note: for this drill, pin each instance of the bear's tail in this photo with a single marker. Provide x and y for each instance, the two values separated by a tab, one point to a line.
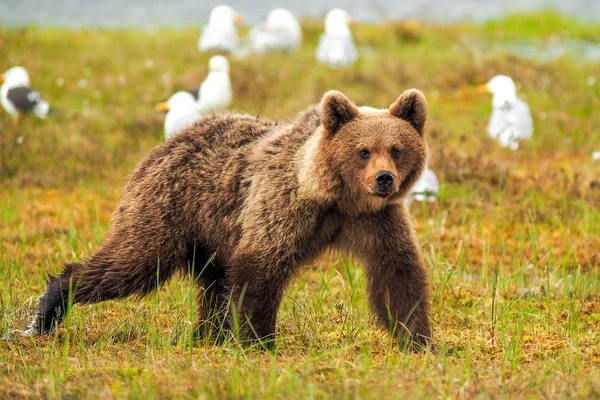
98	279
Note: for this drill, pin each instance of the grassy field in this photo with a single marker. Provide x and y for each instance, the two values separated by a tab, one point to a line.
512	246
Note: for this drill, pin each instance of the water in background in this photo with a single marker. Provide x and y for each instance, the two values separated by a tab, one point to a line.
148	14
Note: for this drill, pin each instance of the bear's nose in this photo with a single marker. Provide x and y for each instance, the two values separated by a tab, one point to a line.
384	178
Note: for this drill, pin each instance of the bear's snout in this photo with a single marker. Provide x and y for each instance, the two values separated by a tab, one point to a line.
384	181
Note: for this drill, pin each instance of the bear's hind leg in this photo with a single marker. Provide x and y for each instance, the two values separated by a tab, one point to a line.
114	272
213	294
258	283
213	310
54	302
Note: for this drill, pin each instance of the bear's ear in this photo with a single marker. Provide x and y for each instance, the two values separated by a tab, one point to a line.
336	110
411	106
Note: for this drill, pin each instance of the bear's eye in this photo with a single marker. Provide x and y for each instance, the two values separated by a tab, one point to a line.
364	154
395	153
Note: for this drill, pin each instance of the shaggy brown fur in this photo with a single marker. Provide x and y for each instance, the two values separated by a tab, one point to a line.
241	203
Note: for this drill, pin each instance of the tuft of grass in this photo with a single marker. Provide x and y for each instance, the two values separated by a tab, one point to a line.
511	245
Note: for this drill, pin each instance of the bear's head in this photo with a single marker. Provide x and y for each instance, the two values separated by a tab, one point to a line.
364	158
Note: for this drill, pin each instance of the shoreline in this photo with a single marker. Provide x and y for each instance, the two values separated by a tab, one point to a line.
191	14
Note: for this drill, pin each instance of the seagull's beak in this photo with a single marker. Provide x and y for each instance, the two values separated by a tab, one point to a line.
162	106
238	19
483	88
351	21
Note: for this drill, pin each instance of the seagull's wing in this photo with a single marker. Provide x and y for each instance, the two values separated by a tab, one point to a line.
426	188
498	122
351	50
23	98
207	39
278	40
511	122
205	96
286	40
431	181
428	183
28	99
336	50
230	40
323	48
214	94
522	119
505	130
215	37
180	123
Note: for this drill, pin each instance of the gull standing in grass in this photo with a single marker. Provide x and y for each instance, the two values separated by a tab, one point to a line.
336	45
511	118
17	97
426	189
281	31
214	95
221	32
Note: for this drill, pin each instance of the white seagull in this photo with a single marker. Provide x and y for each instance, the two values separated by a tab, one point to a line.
511	118
16	96
215	92
214	95
336	45
220	33
281	31
426	189
182	112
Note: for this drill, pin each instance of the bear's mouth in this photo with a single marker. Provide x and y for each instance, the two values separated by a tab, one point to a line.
382	193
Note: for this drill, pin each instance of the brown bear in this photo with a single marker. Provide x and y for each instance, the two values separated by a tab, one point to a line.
241	203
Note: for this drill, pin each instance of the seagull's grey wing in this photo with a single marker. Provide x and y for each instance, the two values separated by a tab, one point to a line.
23	98
28	99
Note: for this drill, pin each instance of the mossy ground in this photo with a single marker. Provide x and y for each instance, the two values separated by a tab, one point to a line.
512	245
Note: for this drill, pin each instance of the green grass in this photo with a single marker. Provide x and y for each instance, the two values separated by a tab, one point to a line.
512	246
